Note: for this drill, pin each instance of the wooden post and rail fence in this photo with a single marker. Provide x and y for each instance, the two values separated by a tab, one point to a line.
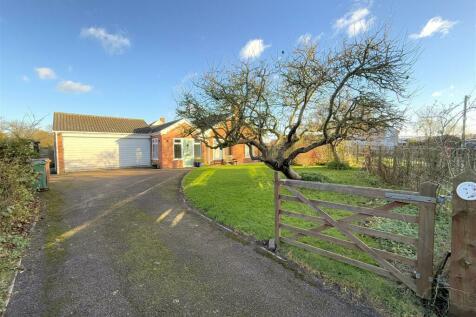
416	273
462	275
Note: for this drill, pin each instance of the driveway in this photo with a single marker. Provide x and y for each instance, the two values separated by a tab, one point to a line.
121	243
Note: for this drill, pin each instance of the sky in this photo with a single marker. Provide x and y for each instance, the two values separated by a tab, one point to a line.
131	58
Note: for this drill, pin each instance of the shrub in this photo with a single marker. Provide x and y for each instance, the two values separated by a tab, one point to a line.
336	165
16	150
17	184
18	206
314	177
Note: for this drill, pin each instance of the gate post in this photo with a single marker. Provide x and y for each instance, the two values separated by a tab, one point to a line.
426	241
462	274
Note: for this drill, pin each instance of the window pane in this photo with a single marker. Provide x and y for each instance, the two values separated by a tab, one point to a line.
217	154
177	151
197	149
155	149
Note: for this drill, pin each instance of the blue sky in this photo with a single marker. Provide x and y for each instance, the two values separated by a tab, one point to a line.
130	58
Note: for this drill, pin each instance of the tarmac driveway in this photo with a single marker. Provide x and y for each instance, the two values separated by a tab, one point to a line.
121	243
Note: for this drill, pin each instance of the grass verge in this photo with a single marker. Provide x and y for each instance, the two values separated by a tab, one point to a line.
241	197
13	244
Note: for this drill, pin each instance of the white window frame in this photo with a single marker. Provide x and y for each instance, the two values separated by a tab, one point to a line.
155	149
247	151
217	153
181	149
197	143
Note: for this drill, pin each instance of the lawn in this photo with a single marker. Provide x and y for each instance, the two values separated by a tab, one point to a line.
241	197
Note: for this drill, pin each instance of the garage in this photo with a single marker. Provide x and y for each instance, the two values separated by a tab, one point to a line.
90	152
89	142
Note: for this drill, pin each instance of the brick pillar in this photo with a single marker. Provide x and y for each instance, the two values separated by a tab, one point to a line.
60	153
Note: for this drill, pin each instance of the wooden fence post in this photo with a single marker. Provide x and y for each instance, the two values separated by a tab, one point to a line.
462	276
277	208
426	238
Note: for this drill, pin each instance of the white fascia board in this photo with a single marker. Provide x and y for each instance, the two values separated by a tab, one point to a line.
173	126
104	134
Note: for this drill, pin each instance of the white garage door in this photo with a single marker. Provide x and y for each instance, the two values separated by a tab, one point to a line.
89	152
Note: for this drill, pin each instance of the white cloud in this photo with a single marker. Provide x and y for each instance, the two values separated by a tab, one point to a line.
25	78
71	86
253	49
355	22
112	43
449	91
434	25
45	73
307	38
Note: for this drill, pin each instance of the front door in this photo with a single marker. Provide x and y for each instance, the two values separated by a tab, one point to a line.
187	152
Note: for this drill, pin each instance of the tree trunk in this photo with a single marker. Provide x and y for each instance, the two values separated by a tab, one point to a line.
334	152
289	172
284	168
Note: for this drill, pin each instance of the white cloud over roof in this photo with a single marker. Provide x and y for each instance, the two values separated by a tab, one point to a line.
71	86
112	43
45	73
355	22
253	49
433	26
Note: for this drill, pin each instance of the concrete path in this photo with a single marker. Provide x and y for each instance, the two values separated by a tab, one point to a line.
120	243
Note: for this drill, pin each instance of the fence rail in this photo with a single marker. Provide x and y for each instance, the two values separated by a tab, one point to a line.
409	166
403	165
425	199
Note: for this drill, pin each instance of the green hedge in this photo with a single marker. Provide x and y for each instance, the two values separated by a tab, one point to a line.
17	179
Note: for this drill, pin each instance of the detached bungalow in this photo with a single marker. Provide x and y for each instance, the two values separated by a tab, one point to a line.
88	142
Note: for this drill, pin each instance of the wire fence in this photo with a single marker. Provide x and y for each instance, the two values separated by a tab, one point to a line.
405	166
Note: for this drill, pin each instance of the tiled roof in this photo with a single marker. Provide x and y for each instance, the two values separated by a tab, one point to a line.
90	123
158	128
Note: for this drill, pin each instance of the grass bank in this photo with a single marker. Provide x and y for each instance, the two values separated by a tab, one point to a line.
241	197
12	247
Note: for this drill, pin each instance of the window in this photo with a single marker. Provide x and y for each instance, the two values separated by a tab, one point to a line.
217	153
177	149
247	151
155	149
197	150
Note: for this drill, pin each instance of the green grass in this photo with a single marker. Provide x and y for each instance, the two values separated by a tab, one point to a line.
241	197
12	247
13	244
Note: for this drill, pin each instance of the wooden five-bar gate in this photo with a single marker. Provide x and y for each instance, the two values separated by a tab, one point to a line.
420	275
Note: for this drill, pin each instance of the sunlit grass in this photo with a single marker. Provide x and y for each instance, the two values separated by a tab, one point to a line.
241	197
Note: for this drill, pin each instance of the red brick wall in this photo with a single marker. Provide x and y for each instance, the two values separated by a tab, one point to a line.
238	152
166	148
320	155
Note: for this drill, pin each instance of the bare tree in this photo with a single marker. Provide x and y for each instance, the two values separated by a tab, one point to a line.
23	129
440	122
273	106
335	153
